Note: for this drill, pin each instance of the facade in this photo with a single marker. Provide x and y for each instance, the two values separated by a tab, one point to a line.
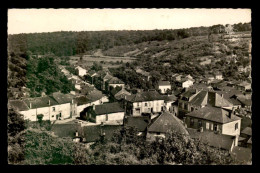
144	102
51	107
185	83
81	71
216	119
105	113
163	86
113	83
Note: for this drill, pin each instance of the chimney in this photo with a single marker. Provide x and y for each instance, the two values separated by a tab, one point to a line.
49	102
93	106
30	105
76	133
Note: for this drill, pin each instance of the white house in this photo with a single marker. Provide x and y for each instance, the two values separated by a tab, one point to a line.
144	102
57	106
105	113
186	83
163	86
81	71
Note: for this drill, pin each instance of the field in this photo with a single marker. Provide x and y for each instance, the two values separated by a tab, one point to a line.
106	61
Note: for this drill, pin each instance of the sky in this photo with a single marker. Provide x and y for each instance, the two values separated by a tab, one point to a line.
51	20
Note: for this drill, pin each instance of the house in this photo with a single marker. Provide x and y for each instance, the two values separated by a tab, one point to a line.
176	77
166	122
184	83
218	76
217	140
105	113
80	71
113	83
201	86
119	93
217	119
140	123
163	86
94	132
169	101
92	98
54	107
145	74
244	86
144	102
104	79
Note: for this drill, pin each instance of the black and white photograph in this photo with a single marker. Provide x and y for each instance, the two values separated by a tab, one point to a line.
129	86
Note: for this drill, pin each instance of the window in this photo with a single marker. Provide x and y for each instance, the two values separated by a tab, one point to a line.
106	117
145	104
207	125
138	104
200	123
191	121
52	116
186	106
236	126
215	127
192	109
53	108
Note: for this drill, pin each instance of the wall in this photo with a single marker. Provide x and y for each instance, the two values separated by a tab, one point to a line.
164	88
111	117
155	105
229	128
187	84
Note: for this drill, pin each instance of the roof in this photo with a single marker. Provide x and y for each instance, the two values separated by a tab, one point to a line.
115	90
189	93
140	122
62	98
199	98
247	131
92	133
94	95
214	99
108	108
213	139
144	96
82	100
201	86
107	77
169	97
115	80
65	130
18	105
167	121
164	83
214	114
39	102
121	94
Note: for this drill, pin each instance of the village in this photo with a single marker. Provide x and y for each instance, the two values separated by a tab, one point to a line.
209	108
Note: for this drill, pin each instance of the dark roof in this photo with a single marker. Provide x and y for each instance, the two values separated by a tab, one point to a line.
213	139
39	102
107	77
62	98
92	133
188	93
121	94
65	130
115	90
140	122
247	131
169	97
214	99
167	121
94	95
18	105
144	96
115	80
108	108
200	86
82	100
214	114
164	83
199	98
